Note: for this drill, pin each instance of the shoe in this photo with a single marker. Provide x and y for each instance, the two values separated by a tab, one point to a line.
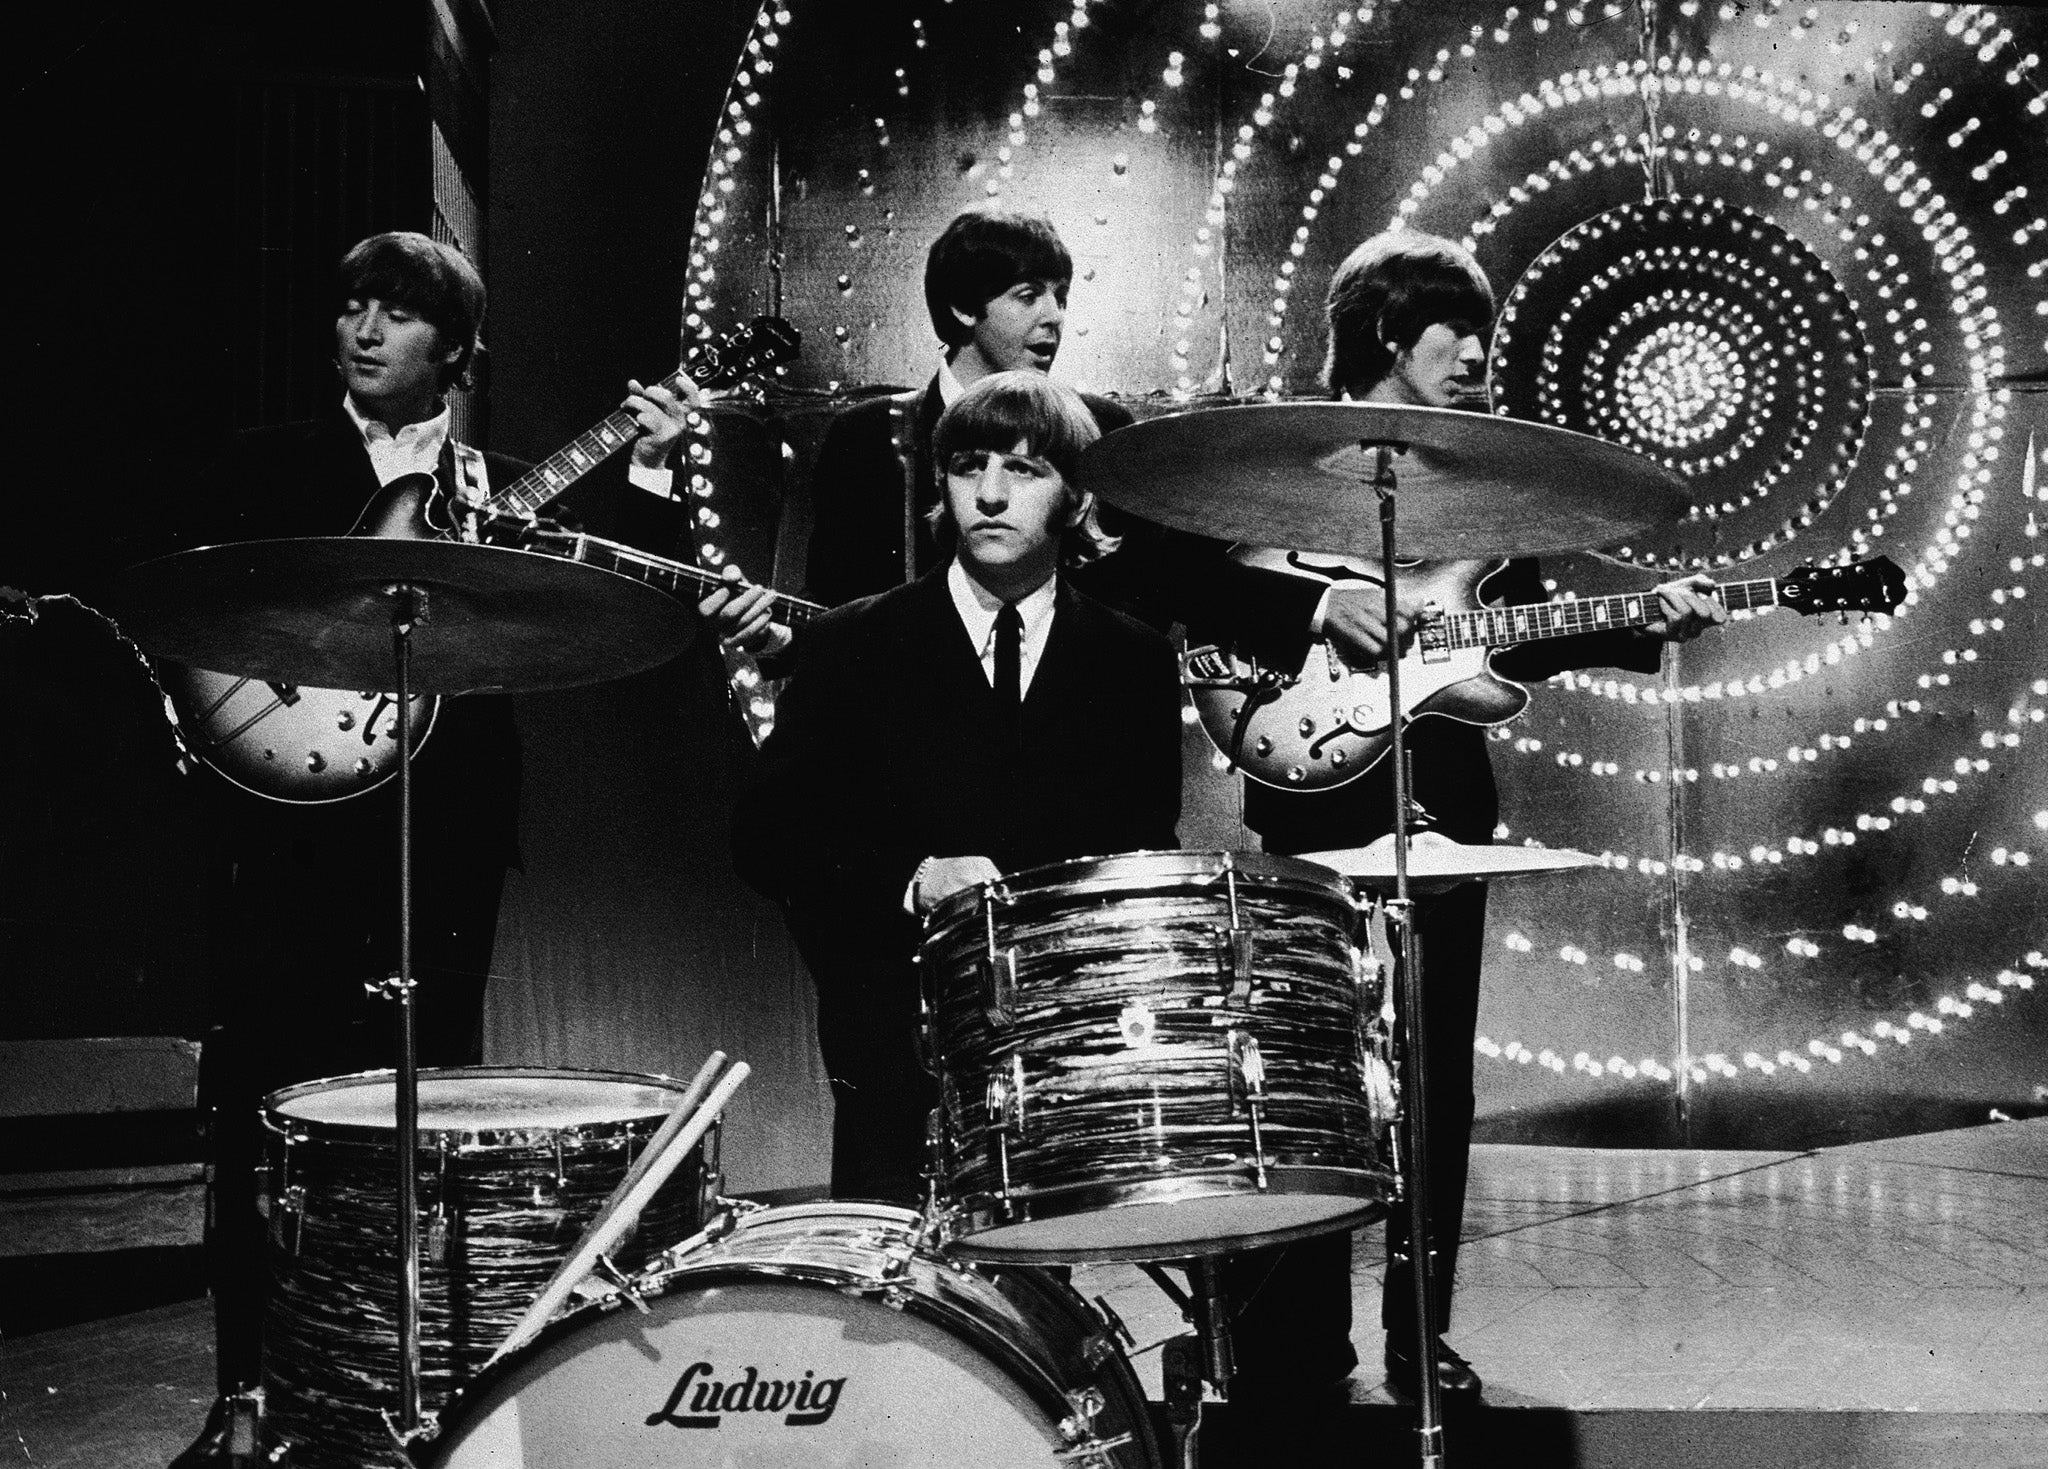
228	1441
1454	1375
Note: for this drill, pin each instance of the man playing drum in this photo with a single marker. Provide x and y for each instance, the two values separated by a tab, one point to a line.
983	719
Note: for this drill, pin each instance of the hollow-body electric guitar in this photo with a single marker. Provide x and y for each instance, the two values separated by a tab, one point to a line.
1327	722
310	746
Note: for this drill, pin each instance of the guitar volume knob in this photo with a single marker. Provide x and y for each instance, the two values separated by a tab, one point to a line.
344	721
315	761
1263	745
1307	726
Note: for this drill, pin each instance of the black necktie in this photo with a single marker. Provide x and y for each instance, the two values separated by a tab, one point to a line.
1010	665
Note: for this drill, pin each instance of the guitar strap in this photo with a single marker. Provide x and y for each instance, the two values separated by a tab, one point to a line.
472	487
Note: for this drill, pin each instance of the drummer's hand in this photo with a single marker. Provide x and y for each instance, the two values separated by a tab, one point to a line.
1688	610
744	615
941	877
1355	619
662	413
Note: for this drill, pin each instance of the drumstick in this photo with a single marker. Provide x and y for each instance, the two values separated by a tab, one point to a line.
671	1125
605	1231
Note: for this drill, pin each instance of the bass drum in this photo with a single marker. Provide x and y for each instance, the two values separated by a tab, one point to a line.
816	1336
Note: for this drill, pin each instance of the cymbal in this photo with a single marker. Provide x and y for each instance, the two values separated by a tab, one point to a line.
317	612
1435	862
1469	485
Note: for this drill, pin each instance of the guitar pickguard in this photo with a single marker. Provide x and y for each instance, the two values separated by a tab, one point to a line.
1330	723
1327	723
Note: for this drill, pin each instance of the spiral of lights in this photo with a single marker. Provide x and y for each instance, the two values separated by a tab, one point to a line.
1701	335
1802	223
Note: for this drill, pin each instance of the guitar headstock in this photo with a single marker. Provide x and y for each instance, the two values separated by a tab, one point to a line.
1873	585
764	342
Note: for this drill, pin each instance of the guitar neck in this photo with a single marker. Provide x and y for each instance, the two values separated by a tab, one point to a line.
561	469
658	571
1497	627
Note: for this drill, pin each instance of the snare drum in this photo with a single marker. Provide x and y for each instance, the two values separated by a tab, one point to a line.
514	1164
1157	1055
818	1336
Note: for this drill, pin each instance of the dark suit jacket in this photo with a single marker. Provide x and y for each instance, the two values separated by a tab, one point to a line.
857	493
883	755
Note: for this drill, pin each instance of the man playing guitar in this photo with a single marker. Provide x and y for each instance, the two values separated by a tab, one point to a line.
308	908
1408	314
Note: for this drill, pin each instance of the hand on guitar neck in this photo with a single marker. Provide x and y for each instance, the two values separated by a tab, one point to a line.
743	615
1354	617
1330	720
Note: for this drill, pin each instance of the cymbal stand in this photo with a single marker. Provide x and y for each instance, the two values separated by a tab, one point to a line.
409	609
1401	909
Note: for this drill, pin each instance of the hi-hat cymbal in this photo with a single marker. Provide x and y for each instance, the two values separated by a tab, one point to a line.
1470	486
1435	862
317	612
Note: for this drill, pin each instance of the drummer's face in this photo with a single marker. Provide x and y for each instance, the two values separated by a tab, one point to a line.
1448	357
1010	509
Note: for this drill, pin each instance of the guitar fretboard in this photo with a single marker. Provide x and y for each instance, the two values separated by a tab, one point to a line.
1494	627
657	571
572	461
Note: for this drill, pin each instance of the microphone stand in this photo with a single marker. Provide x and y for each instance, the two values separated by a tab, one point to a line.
1414	1127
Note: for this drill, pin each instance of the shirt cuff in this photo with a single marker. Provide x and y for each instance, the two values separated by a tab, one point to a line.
655	481
910	892
1315	622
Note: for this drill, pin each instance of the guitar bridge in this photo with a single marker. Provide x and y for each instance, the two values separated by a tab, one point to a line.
1432	634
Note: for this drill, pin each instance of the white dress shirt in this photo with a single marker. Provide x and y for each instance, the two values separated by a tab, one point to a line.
978	607
414	449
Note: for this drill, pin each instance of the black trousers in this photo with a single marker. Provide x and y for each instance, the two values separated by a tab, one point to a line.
868	1027
1292	1303
303	926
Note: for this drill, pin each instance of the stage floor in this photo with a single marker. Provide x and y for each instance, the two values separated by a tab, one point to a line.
1907	1276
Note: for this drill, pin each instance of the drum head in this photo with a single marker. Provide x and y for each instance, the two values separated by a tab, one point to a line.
480	1099
1180	1219
755	1372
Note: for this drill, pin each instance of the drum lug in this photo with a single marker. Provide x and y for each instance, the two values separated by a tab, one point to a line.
1248	1079
998	967
1005	1103
1077	1430
437	1236
1235	948
622	1285
711	1180
290	1209
1097	1346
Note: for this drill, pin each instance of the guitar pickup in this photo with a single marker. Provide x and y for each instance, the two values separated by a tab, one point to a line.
1432	635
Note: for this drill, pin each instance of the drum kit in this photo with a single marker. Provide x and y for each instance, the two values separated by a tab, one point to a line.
1151	1057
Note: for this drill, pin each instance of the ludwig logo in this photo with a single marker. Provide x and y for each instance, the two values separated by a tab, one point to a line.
809	1401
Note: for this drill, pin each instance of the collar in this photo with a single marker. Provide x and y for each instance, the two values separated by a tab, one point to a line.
426	436
950	386
978	606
